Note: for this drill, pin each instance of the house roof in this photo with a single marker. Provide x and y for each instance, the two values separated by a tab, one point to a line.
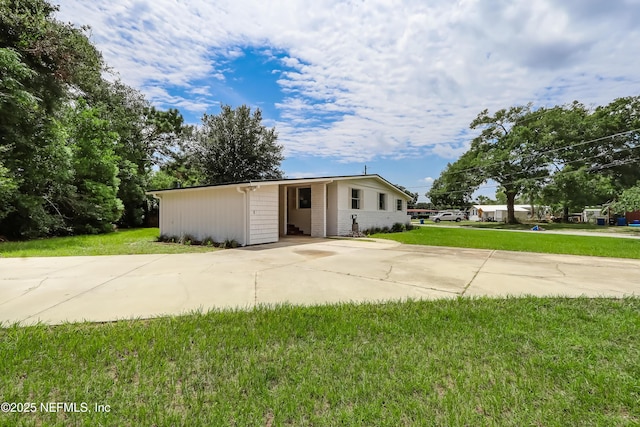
289	181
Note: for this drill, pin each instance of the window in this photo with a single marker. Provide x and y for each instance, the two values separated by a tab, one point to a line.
355	198
304	198
399	204
382	202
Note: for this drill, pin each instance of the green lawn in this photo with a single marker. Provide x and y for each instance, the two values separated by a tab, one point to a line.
122	242
519	241
546	226
518	362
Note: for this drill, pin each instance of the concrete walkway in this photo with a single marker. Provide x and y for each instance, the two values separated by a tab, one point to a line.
297	270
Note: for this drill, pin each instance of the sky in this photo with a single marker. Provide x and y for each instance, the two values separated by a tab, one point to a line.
392	85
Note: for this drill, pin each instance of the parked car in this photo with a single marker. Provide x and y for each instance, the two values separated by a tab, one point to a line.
448	216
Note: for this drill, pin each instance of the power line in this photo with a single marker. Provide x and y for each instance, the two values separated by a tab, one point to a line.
581	160
539	153
602	167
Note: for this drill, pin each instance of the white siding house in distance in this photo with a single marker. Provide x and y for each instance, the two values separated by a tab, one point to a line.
498	212
255	212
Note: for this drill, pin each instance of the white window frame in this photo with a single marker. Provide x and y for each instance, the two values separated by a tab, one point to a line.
358	199
298	197
382	197
399	204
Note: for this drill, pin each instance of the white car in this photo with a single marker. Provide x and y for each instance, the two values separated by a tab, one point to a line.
448	216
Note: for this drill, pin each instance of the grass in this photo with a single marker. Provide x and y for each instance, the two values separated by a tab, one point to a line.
525	242
122	242
527	361
548	226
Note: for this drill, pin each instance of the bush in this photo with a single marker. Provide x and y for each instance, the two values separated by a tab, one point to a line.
165	238
208	241
189	239
397	227
229	244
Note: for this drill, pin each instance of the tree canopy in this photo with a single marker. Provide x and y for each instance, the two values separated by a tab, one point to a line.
234	146
565	156
76	150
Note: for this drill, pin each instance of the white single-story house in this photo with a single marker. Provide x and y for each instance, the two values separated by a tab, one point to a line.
255	212
498	212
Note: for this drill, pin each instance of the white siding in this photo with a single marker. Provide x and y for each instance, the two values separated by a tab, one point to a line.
369	215
332	209
259	213
263	215
282	209
211	212
319	210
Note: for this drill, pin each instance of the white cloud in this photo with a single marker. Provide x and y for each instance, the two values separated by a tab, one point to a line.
396	77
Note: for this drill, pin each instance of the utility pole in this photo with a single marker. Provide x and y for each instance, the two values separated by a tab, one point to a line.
365	169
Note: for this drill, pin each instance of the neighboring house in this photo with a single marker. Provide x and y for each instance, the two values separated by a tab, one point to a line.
255	212
632	216
590	214
421	213
498	212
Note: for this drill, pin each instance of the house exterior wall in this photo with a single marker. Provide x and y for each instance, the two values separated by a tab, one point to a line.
282	209
215	212
263	215
332	209
632	216
301	218
319	210
369	215
592	215
255	213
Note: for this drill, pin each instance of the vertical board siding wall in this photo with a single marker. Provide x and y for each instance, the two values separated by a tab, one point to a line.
217	213
263	215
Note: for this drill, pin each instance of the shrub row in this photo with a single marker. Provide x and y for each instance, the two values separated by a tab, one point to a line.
395	228
188	240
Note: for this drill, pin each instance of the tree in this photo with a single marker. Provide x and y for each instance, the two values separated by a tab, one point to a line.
414	196
508	151
55	109
573	189
629	200
618	154
485	200
455	186
234	146
44	64
146	137
94	207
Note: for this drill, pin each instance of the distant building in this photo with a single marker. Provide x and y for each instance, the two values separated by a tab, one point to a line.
498	212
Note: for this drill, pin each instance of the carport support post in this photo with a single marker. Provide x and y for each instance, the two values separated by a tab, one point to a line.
319	210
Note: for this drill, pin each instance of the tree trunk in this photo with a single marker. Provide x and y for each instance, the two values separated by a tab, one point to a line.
511	216
565	214
533	209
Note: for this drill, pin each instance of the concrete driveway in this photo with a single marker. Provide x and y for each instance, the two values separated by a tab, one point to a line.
296	270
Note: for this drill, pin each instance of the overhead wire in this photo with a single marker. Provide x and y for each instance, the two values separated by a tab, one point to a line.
542	178
543	152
